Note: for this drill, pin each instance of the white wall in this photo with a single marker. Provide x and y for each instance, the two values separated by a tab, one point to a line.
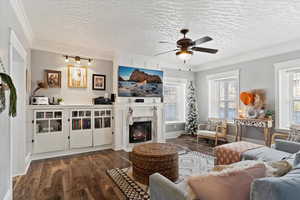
41	60
256	74
8	20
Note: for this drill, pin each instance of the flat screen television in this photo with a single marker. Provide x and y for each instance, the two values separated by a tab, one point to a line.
139	82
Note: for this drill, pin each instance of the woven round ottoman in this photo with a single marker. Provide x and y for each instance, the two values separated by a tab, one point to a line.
150	158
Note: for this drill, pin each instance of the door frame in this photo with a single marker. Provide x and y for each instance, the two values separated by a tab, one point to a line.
16	45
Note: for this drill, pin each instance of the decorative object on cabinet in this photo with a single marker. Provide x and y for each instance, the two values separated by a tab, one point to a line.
77	76
40	85
102	101
99	82
60	101
254	102
53	78
39	100
6	83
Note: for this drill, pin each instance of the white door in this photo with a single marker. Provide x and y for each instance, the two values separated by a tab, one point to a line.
49	134
18	126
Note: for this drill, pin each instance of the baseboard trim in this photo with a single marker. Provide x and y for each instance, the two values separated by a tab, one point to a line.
8	195
173	134
231	138
68	153
28	162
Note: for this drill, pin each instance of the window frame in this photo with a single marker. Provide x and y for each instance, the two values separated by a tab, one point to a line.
213	93
179	82
284	98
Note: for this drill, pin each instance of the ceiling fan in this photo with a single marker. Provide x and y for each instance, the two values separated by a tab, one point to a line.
186	46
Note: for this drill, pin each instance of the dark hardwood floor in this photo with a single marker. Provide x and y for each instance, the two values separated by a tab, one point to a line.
81	177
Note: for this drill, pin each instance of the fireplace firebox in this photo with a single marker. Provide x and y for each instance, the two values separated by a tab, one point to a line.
140	131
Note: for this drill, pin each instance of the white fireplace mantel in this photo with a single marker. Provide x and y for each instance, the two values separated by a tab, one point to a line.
140	110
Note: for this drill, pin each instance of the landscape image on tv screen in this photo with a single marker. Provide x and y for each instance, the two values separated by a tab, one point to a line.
139	82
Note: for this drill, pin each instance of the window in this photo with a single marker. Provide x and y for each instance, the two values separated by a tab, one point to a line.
174	99
287	81
295	97
223	94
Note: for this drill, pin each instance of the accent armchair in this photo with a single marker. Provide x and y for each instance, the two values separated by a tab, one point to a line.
293	135
215	129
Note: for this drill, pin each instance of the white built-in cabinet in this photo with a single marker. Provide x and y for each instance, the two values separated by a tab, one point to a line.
70	128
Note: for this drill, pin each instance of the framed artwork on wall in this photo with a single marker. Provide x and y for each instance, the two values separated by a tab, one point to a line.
99	82
53	78
77	76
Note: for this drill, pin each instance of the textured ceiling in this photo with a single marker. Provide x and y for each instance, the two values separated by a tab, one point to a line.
237	26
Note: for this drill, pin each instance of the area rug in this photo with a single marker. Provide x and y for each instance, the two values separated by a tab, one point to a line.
190	163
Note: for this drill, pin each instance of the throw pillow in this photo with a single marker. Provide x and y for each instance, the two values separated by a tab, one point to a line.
280	168
226	183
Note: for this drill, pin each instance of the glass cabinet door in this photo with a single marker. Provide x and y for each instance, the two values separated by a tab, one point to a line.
76	124
107	122
98	123
86	123
56	125
42	126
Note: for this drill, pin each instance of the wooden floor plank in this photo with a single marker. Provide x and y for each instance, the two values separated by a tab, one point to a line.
82	176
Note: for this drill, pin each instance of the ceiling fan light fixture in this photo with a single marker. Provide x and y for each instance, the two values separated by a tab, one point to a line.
184	54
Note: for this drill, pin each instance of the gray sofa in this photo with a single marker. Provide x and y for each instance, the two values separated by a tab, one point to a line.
286	187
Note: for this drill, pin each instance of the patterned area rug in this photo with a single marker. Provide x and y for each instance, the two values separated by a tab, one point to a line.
190	163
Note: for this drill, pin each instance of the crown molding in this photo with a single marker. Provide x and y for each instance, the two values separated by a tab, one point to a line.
18	7
62	48
281	48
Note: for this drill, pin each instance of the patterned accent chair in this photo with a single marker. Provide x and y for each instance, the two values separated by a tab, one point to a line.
215	129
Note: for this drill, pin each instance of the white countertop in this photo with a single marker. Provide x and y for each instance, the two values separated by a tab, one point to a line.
35	107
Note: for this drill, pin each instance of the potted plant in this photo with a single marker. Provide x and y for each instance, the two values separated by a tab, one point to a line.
60	101
269	114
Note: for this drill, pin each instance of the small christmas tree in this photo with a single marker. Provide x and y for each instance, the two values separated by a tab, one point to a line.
191	125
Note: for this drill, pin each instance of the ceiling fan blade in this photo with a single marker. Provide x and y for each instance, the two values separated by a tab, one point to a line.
165	42
202	40
166	52
206	50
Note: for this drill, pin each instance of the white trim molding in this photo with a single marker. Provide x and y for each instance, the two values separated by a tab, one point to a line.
8	195
173	134
222	75
18	7
63	48
282	92
272	50
15	43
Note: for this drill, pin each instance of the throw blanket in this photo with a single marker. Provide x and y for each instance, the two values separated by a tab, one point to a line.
231	153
